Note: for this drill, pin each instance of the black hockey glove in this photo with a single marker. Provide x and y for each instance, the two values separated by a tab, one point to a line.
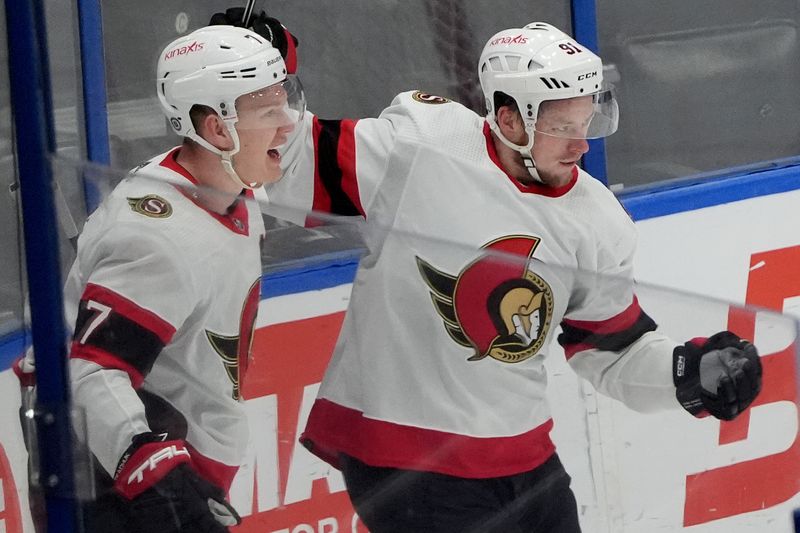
268	27
166	494
720	376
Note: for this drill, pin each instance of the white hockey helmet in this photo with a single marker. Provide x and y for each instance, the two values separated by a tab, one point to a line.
213	66
539	63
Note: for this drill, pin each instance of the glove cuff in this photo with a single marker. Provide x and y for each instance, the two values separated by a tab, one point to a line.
146	462
691	401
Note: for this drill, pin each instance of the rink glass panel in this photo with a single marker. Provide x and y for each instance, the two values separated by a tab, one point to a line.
632	472
354	55
608	449
12	266
65	77
65	87
702	86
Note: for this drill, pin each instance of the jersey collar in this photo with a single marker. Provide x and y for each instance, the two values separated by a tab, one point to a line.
534	188
236	219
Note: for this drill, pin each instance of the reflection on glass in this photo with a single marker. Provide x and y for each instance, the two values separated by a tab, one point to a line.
467	335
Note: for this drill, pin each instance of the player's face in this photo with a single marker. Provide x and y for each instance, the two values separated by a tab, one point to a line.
559	141
265	121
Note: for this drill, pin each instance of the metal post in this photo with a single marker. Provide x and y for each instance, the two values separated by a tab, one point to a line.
93	76
30	100
584	26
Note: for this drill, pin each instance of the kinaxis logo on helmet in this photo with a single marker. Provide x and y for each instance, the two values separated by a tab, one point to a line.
182	50
496	305
518	39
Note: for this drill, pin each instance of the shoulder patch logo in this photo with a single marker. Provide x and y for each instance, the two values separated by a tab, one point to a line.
152	206
427	98
497	307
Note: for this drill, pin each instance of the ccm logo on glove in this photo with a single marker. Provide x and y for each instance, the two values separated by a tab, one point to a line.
680	366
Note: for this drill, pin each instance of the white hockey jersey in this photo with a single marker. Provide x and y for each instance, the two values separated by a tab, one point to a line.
163	296
439	366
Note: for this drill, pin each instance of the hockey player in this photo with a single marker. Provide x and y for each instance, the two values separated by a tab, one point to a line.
433	405
165	288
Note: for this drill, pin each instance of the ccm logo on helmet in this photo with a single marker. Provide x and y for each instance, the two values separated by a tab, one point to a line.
587	75
181	50
519	39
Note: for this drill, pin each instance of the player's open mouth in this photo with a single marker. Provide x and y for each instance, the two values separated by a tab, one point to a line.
274	155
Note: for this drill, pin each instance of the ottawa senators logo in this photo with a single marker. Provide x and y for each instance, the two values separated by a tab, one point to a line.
496	305
235	350
427	98
152	206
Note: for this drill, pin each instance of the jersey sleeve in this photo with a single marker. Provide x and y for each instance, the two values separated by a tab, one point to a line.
135	296
609	340
334	166
624	358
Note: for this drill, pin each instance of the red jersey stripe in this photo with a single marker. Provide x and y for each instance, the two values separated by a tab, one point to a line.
107	360
334	429
217	473
616	323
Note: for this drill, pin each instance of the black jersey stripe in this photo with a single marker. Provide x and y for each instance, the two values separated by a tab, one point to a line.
118	336
329	170
574	339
